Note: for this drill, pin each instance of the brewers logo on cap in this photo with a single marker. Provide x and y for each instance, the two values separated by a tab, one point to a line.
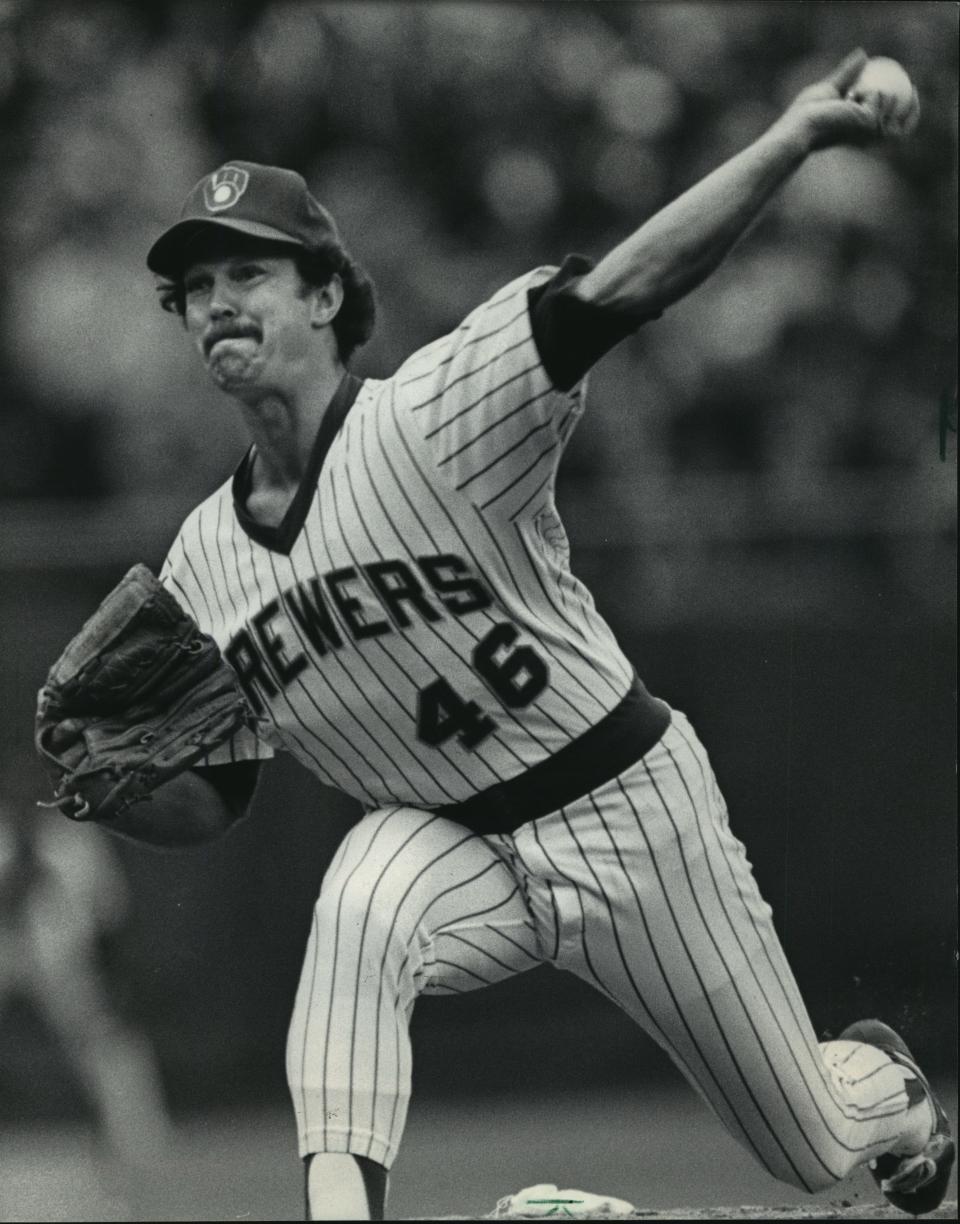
224	187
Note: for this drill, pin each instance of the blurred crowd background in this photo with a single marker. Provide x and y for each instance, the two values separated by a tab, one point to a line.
762	495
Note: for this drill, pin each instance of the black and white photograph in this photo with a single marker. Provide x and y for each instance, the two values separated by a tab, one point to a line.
478	583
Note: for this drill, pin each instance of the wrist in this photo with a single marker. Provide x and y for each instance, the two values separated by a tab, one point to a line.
793	134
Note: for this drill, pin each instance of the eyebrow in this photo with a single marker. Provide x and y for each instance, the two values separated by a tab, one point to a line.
201	267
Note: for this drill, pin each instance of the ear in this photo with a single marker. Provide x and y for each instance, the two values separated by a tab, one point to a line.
326	300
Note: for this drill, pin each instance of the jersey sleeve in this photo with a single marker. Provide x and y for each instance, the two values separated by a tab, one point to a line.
496	401
183	574
482	407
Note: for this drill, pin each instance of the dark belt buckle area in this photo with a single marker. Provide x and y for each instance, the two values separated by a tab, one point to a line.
504	815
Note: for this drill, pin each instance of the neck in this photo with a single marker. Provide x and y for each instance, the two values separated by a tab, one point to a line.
284	428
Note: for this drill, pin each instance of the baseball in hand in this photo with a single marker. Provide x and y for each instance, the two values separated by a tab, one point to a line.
884	86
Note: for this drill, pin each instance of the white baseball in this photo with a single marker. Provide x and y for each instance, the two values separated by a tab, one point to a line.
884	85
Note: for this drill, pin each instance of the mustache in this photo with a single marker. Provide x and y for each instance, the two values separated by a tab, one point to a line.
229	331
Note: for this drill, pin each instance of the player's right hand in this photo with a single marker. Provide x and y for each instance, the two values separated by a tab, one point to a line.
823	115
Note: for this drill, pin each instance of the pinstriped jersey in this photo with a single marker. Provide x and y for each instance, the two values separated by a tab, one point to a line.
420	636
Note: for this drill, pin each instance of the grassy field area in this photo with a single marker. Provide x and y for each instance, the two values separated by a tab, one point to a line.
660	1151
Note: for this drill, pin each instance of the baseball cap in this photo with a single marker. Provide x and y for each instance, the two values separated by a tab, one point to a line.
262	201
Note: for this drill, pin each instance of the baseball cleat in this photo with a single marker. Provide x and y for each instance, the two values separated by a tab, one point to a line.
915	1184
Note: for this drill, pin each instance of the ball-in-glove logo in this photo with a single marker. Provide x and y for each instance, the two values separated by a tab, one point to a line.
224	187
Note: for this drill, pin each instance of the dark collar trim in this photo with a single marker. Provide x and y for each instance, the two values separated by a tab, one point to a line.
281	538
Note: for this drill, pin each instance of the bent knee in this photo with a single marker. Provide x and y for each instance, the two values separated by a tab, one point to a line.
378	885
356	921
817	1173
819	1179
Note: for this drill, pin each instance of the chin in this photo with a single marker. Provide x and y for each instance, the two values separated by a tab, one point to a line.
235	373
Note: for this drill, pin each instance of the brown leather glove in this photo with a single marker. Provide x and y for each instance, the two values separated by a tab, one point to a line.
138	696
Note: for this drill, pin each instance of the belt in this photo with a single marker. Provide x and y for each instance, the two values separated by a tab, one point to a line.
609	747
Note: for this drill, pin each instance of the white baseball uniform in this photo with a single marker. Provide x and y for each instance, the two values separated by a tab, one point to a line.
413	634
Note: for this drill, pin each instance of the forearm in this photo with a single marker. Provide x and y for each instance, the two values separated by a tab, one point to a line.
682	244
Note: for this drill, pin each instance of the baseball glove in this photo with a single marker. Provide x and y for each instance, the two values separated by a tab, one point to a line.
138	696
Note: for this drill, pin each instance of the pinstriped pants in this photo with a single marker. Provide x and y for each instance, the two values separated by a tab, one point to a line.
641	889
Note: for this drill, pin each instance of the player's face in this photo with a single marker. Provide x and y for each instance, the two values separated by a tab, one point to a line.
250	318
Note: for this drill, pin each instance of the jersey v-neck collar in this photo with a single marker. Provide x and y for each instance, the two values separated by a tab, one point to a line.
282	537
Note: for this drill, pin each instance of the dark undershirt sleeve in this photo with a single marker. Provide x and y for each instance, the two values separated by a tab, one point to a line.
234	784
572	335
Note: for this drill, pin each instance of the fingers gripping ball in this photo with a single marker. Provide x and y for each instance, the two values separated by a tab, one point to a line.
138	696
885	87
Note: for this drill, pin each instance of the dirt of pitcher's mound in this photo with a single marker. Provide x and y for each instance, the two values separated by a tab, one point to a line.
840	1210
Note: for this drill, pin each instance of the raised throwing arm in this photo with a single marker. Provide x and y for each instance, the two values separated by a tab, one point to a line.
681	245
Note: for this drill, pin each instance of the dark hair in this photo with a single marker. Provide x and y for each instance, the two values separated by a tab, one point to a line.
353	324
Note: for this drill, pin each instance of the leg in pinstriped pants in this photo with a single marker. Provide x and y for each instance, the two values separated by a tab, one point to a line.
412	903
659	910
641	889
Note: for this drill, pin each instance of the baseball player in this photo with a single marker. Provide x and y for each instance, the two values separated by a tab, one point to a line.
387	574
59	893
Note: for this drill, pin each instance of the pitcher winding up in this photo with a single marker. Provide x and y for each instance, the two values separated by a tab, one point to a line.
387	578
